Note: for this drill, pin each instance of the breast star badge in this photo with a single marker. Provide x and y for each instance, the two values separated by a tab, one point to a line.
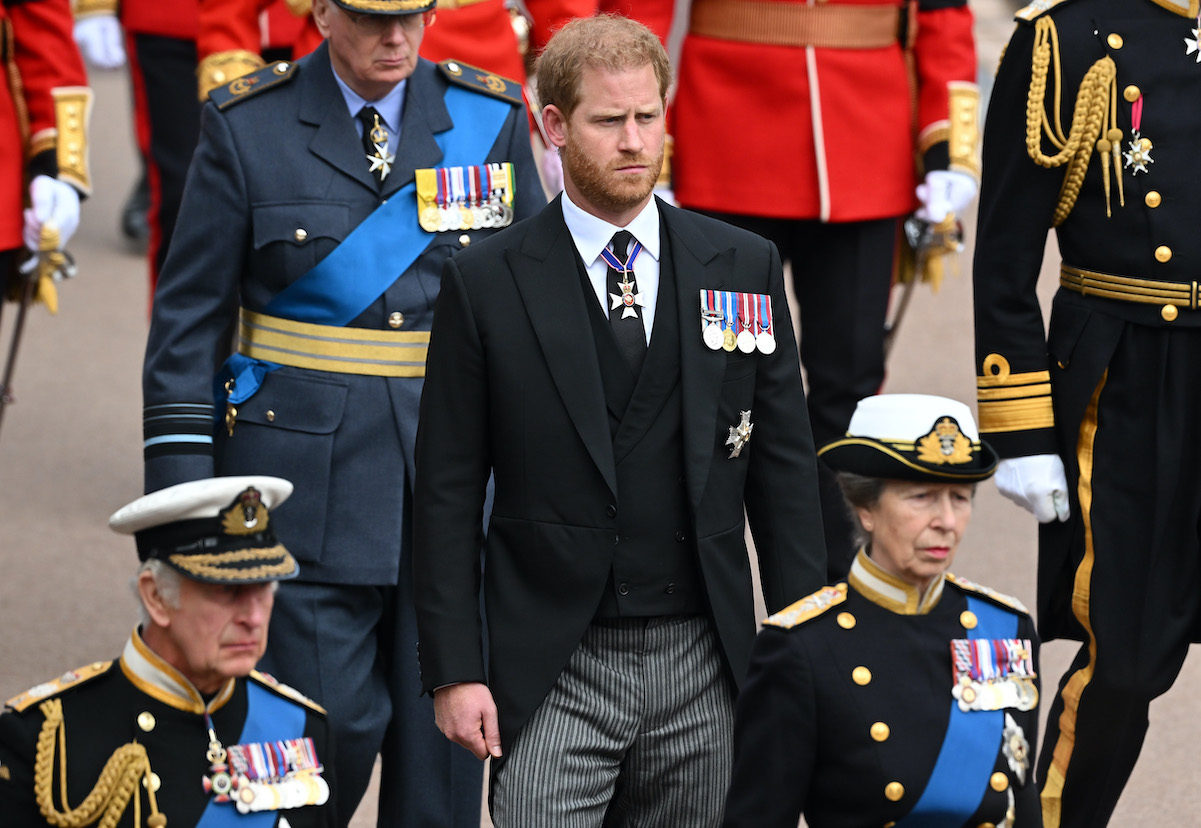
740	434
1193	44
1139	154
382	160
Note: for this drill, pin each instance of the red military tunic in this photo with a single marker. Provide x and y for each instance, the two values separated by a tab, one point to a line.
812	132
40	60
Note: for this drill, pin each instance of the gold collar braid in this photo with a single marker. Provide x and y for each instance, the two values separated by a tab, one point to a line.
1095	109
114	789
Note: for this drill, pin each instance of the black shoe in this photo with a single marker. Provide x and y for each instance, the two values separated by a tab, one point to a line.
134	224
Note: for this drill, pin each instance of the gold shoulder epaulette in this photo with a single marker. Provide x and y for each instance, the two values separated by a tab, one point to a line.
481	80
272	683
808	607
55	686
222	68
253	84
994	596
1037	8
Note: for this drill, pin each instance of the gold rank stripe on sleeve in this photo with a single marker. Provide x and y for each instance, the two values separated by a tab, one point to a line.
809	607
54	686
1013	402
88	8
272	683
998	597
963	143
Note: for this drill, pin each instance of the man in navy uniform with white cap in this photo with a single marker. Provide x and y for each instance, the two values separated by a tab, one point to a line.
181	730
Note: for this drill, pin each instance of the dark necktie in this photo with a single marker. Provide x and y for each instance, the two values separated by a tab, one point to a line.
375	143
625	306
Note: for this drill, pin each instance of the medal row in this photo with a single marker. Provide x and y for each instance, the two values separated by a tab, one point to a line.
465	198
993	674
741	321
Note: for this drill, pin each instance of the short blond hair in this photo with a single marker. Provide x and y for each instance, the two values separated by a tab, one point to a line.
606	41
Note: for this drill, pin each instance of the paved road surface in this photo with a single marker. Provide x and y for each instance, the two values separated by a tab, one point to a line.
70	454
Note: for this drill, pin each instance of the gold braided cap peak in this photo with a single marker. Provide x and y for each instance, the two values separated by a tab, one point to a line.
47	689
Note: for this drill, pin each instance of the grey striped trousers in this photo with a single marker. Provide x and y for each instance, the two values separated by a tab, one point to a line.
635	733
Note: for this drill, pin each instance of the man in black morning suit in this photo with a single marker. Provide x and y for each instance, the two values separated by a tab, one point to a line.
617	581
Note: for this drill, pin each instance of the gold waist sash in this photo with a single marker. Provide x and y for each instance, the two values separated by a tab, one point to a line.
1127	289
330	348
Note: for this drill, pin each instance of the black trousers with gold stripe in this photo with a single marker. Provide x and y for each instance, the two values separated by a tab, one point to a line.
1124	573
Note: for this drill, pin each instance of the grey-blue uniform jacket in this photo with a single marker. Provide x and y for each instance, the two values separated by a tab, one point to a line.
279	179
849	695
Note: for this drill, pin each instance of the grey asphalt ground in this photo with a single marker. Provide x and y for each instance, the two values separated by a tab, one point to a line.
70	455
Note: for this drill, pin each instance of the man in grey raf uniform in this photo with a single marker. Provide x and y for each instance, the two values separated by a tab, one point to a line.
323	199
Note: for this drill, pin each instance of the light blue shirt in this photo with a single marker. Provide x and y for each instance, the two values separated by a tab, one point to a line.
389	108
592	235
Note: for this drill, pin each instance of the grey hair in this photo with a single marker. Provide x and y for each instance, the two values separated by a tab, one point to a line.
860	492
166	579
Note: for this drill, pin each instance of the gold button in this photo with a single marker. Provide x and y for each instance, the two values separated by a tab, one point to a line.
846	620
1153	199
396	319
1114	41
893	791
270	416
999	781
1163	253
464	240
281	67
454	69
1132	93
1169	313
968	619
1145	143
146	721
5	773
301	234
880	731
153	783
987	825
861	676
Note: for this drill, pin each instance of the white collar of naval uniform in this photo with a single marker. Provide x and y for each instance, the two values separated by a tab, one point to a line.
592	235
159	680
884	589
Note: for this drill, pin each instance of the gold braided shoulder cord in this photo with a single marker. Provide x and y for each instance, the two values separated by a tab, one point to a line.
114	789
1095	106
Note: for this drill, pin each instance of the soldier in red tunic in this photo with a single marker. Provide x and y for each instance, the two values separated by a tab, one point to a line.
812	124
44	106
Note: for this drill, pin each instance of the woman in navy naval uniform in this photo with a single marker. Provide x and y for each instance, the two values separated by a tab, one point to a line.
905	696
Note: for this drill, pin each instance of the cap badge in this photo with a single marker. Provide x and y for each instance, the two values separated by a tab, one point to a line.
247	515
944	444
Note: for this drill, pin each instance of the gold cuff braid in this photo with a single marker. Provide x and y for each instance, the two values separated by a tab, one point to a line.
963	141
115	788
90	8
73	110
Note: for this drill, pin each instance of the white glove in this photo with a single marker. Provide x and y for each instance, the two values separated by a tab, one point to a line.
52	202
100	40
944	192
1036	483
552	171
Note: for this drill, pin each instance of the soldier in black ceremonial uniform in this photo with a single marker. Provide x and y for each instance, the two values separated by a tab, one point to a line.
181	730
323	199
904	696
1092	130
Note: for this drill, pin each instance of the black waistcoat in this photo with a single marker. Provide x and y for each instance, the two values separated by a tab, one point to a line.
655	569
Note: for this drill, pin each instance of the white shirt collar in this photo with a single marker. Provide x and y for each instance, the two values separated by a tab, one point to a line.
592	234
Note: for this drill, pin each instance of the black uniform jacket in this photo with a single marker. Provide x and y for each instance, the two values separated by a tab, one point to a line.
844	712
140	699
514	388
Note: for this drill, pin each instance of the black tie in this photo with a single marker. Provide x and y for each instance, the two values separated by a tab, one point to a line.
625	314
375	143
